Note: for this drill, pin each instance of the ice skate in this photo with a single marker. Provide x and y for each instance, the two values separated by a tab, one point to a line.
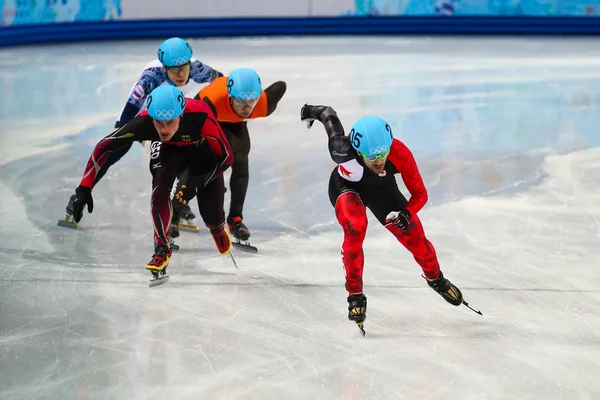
357	310
449	292
68	221
446	289
158	265
186	220
222	240
241	233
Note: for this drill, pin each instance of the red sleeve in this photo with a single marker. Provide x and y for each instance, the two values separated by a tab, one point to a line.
406	165
99	156
139	128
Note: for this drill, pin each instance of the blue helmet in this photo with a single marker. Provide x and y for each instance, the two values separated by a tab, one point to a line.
244	84
371	135
174	52
165	103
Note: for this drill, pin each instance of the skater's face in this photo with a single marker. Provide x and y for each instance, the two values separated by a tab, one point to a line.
243	108
166	129
179	75
378	164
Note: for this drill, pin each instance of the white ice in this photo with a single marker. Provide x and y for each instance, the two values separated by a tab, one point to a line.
505	132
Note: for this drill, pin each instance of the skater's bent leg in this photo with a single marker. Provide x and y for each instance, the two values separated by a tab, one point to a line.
240	174
164	170
421	248
238	184
210	203
112	158
162	213
352	216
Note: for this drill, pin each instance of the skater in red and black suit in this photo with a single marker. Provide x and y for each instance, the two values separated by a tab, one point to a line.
368	158
185	134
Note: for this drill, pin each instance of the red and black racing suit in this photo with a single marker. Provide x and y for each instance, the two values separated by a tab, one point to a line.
199	144
353	187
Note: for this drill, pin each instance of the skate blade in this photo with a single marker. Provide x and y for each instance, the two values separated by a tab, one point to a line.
158	281
188	228
67	224
361	326
472	308
245	246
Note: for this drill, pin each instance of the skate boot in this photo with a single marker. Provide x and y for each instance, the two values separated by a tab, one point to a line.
158	265
237	228
69	222
447	290
222	239
357	310
241	233
186	220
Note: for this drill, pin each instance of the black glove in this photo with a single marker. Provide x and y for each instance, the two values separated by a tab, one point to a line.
400	219
83	196
305	116
184	194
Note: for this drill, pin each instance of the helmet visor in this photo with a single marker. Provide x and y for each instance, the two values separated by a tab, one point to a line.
375	157
245	103
178	68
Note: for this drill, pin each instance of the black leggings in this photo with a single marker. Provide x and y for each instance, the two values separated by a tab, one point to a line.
239	140
166	163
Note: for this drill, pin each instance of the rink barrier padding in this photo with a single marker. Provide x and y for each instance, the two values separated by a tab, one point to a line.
296	26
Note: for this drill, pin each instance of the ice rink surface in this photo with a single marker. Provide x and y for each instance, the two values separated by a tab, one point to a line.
506	135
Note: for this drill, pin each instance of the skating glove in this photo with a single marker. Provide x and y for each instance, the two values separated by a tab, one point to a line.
305	116
83	196
184	194
400	219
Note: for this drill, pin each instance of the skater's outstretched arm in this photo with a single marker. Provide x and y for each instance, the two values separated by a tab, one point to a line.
274	93
340	148
139	128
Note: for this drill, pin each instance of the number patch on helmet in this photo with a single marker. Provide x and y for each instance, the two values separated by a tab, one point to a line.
229	85
389	129
355	138
181	99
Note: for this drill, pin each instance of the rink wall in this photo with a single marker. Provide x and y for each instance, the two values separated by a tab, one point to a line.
49	21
